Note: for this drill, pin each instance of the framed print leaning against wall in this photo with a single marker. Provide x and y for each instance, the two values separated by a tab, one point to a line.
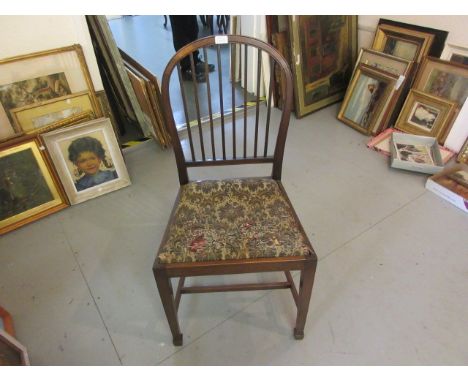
29	188
408	41
393	65
368	94
425	114
39	77
88	159
324	50
443	79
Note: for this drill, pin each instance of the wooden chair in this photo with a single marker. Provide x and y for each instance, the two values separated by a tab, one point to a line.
233	226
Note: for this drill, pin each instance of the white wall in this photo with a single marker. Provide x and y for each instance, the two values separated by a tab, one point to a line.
456	26
26	34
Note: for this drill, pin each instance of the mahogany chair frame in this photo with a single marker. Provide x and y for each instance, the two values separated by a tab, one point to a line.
306	264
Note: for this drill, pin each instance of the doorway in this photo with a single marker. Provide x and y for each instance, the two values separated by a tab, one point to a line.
148	39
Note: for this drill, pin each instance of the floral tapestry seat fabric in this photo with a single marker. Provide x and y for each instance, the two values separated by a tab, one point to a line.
232	219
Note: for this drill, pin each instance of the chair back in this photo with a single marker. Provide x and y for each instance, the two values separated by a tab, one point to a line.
235	137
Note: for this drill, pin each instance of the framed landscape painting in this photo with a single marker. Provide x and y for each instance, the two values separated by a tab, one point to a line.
324	50
88	159
29	188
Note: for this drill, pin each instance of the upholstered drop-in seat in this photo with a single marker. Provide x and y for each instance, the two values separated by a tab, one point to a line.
232	219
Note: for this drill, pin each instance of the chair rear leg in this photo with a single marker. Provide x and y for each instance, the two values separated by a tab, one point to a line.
167	297
305	291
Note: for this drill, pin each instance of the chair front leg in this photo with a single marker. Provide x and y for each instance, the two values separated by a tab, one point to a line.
167	297
305	291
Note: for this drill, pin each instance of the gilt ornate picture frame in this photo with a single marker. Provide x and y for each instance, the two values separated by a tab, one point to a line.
324	50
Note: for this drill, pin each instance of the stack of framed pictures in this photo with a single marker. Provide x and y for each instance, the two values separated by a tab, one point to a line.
146	87
439	90
360	104
48	98
370	94
45	90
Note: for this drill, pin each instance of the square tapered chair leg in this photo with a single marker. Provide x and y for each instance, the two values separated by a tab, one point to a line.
305	292
167	297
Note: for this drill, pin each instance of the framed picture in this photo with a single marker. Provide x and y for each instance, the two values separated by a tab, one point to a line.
324	50
454	53
408	41
463	154
368	94
443	79
425	114
42	76
393	65
57	112
88	159
147	89
385	62
29	187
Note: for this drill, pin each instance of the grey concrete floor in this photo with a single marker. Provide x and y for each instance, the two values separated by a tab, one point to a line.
391	285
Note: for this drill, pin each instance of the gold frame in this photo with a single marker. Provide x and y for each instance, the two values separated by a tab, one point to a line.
463	153
59	200
82	60
385	101
385	31
396	101
24	112
299	92
429	63
439	130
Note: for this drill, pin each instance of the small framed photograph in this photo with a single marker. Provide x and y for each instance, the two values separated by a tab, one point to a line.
88	159
368	95
443	79
57	112
463	154
455	53
29	187
425	114
42	76
415	153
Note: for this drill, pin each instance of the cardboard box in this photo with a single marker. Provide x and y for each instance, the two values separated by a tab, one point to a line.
415	153
453	195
